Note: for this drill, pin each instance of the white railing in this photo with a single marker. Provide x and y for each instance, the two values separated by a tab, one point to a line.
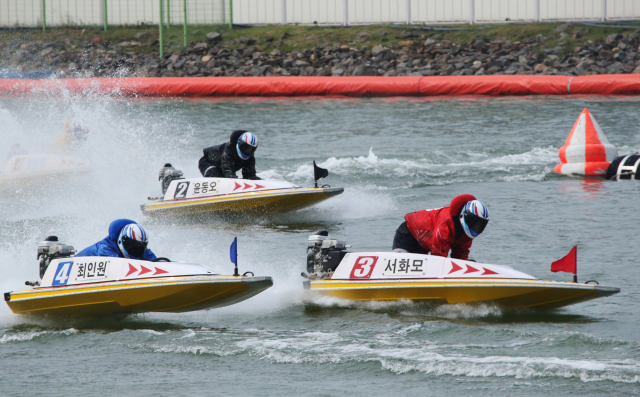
29	13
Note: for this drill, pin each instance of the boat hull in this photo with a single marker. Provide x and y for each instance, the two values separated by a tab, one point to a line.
255	202
166	294
503	293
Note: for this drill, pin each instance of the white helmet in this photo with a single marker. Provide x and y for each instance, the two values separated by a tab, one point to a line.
132	241
77	128
474	218
247	145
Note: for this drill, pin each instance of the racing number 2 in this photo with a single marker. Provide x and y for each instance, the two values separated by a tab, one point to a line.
363	267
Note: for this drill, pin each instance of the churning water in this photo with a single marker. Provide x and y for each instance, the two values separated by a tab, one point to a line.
392	156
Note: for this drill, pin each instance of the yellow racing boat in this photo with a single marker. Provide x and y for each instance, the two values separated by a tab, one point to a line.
393	276
107	286
221	195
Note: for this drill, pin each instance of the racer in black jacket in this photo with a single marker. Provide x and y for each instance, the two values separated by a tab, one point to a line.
223	161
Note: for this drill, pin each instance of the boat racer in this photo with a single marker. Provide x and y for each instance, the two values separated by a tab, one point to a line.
441	230
75	131
126	239
223	161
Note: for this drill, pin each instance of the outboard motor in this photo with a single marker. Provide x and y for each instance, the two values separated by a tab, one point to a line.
50	249
624	167
168	174
323	253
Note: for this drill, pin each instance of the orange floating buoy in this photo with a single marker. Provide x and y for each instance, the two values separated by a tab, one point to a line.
587	150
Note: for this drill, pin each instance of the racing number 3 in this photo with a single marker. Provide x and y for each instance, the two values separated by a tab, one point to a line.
363	267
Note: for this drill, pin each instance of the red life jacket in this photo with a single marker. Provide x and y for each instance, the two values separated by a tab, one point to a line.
435	231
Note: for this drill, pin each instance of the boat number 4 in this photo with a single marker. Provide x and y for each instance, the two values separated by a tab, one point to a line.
181	190
61	276
364	266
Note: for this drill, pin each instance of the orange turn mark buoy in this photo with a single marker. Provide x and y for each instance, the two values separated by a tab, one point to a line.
587	150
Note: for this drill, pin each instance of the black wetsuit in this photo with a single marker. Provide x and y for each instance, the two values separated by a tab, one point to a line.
222	161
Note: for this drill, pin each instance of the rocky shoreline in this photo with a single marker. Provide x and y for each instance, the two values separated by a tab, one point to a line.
415	55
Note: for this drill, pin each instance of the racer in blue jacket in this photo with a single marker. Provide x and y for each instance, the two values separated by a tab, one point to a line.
126	239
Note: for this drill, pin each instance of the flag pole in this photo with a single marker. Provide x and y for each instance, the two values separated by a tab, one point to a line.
575	275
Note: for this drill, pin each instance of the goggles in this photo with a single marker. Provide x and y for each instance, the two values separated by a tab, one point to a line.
246	149
133	247
475	223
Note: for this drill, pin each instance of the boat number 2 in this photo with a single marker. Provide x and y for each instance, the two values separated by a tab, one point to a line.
364	266
62	273
181	190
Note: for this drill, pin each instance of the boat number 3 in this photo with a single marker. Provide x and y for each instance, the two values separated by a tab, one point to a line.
364	266
181	190
62	273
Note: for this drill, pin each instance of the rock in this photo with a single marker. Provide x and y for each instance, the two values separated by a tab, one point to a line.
200	47
377	50
97	41
173	58
178	65
362	37
479	72
615	36
406	43
141	35
285	35
24	46
362	70
561	28
124	44
476	65
247	40
46	52
615	67
623	46
604	54
494	69
213	36
337	71
429	42
480	45
301	64
540	38
636	70
206	58
540	68
276	53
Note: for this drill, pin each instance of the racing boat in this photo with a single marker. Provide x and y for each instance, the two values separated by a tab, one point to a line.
99	286
393	276
25	167
222	195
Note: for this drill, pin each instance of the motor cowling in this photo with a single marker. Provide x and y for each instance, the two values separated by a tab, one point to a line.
50	249
168	174
324	254
624	167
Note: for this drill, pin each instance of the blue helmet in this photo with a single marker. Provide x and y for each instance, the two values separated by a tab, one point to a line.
474	218
132	241
247	145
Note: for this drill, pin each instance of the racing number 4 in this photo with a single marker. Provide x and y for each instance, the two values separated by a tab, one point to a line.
363	267
62	273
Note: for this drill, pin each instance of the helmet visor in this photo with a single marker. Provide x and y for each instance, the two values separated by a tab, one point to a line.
475	223
133	247
246	149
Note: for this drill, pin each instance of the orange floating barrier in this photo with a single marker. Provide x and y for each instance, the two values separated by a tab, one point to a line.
587	150
351	86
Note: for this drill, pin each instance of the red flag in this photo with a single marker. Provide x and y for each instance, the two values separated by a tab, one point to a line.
568	263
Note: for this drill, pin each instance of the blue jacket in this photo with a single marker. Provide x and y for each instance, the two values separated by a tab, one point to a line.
109	245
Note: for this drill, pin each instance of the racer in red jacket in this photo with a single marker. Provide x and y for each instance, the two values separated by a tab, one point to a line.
441	230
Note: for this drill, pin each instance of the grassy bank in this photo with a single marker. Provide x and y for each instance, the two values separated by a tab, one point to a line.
289	38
